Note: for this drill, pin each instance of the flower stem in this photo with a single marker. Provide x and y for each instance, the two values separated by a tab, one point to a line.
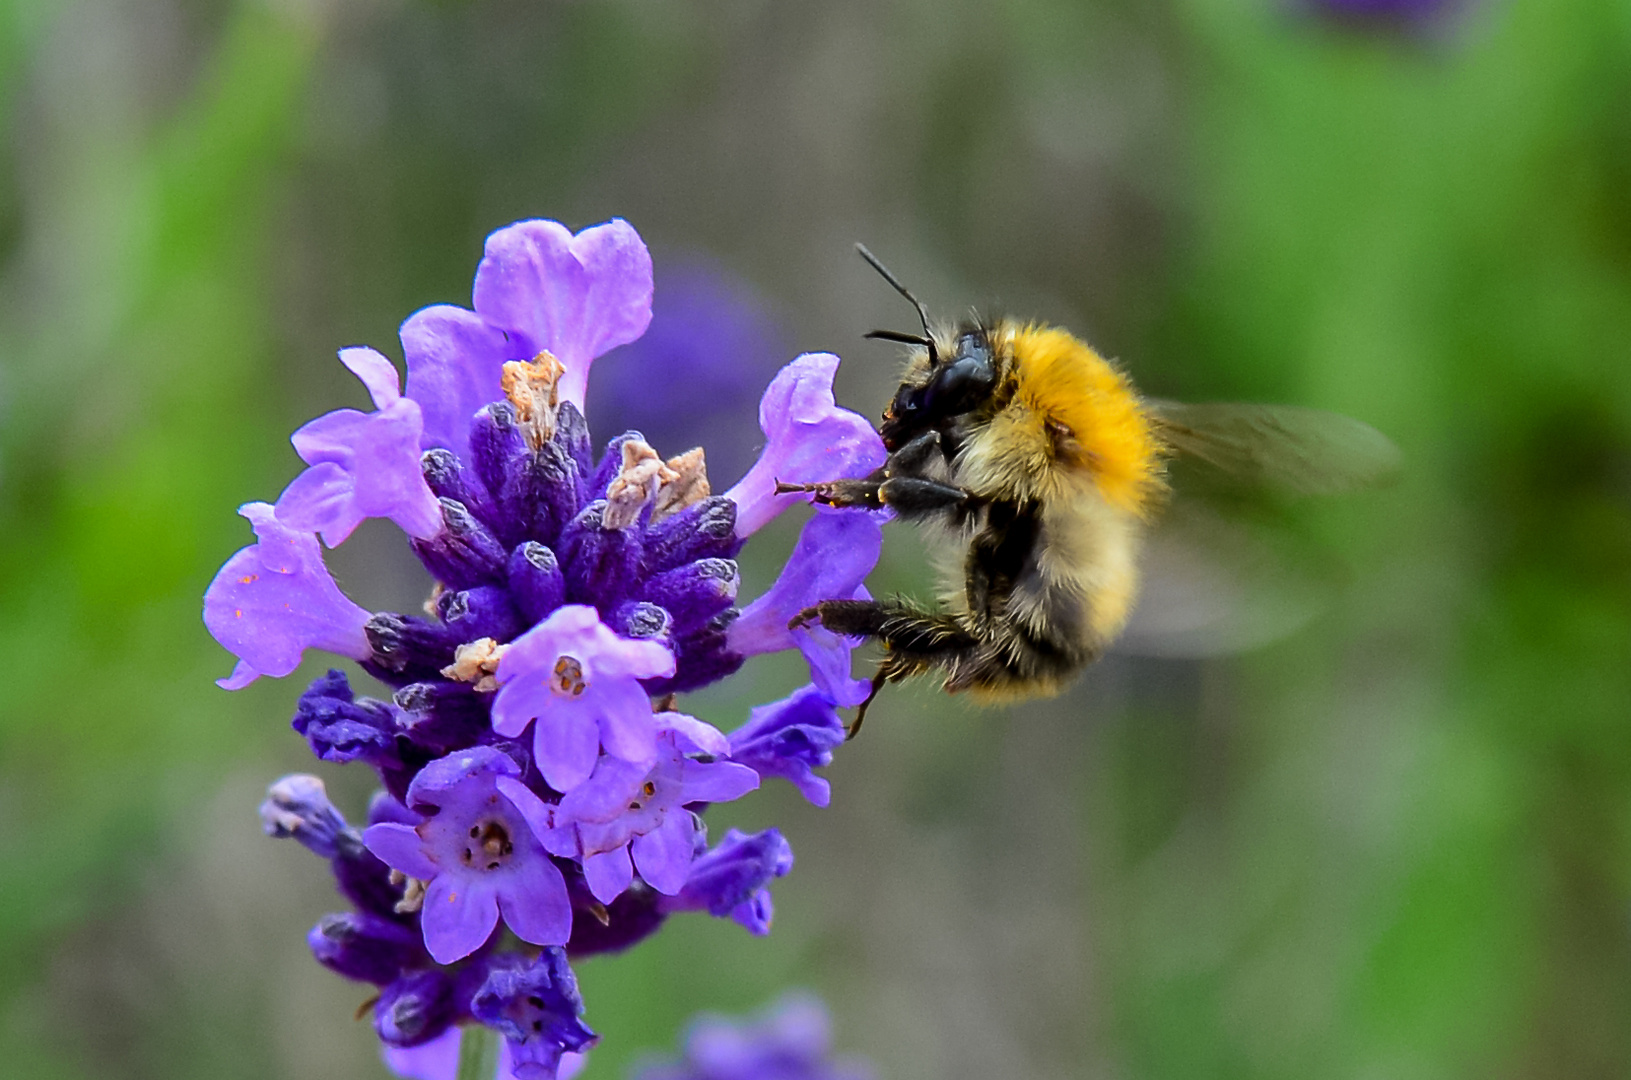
478	1053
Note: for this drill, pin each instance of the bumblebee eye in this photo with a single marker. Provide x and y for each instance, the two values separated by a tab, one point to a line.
960	385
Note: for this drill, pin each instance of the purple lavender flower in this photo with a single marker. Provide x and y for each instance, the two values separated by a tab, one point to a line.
363	465
792	1040
477	855
791	738
808	439
835	552
571	591
273	601
630	816
581	682
732	879
439	1060
538	1011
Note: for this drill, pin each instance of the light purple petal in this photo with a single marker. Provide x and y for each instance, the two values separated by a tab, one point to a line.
538	814
608	874
320	500
607	794
828	656
367	463
458	916
272	601
808	439
664	855
435	1060
696	735
627	728
400	848
576	296
533	899
718	781
455	361
565	743
445	774
834	554
375	372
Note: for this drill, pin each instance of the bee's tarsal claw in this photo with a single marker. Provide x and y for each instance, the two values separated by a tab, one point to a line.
805	619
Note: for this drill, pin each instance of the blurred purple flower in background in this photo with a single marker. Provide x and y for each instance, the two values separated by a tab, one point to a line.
1420	13
532	785
694	378
791	1040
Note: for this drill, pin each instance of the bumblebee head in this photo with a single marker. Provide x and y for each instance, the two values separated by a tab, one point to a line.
946	379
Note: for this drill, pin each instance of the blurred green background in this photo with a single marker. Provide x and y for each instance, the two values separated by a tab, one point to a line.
1393	845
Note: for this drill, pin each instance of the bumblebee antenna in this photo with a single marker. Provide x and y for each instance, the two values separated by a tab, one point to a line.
922	312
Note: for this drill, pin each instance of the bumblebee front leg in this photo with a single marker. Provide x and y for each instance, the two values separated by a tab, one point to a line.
908	496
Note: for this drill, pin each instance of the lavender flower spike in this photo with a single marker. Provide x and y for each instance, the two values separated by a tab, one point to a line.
273	601
363	465
580	681
478	855
576	297
732	878
808	439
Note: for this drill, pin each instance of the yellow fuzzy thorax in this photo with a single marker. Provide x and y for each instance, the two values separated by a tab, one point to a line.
1087	410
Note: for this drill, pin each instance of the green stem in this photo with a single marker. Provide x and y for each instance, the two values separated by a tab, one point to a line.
478	1053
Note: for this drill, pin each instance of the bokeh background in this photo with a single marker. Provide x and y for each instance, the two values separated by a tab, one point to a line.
1394	844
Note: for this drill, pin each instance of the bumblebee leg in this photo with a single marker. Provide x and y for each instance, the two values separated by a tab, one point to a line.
912	497
840	493
903	629
878	681
911	459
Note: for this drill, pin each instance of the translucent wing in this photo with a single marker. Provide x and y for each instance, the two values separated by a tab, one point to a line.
1214	585
1281	447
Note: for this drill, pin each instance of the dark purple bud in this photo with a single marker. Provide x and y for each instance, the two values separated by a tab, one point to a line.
537	1009
442	716
572	436
695	592
485	611
703	530
731	879
341	728
701	656
466	554
498	450
642	620
448	478
362	878
611	463
552	489
409	645
601	565
536	582
415	1009
298	806
365	947
634	916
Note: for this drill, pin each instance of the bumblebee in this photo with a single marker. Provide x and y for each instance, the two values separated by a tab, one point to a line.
1041	468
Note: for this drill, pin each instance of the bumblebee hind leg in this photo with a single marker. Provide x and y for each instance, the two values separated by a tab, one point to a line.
916	640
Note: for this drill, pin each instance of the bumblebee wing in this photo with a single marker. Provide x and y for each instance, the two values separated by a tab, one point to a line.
1281	447
1214	585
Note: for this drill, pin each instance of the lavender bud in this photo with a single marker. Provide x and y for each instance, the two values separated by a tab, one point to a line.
695	592
536	582
364	947
441	716
553	490
484	611
611	463
415	1009
601	565
341	728
466	554
448	478
298	806
642	620
572	436
703	530
407	644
